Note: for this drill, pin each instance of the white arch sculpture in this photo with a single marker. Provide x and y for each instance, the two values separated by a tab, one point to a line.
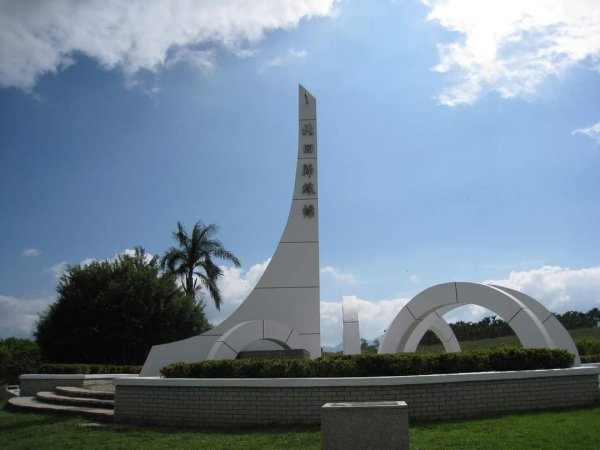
533	324
287	295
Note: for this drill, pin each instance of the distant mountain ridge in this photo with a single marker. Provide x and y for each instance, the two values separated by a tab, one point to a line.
340	347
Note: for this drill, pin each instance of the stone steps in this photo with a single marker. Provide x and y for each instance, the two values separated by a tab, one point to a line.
32	404
85	393
54	398
69	400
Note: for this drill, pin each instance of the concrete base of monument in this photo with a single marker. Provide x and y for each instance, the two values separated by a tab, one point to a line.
364	425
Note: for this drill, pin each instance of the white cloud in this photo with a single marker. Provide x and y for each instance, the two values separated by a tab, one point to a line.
298	54
57	269
414	278
235	285
339	275
512	46
591	132
559	289
290	57
30	252
18	315
373	318
467	313
201	59
127	252
86	262
38	37
331	323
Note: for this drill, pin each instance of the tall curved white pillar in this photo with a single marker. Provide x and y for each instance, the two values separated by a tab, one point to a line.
287	295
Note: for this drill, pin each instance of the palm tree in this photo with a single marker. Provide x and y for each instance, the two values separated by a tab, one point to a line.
193	262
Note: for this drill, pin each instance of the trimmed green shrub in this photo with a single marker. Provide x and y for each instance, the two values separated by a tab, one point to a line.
87	369
585	359
529	359
372	365
243	368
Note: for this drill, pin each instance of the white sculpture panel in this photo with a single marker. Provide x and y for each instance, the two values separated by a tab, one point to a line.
287	295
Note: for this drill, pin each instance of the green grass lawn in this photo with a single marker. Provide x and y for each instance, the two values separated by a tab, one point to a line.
504	341
481	344
577	429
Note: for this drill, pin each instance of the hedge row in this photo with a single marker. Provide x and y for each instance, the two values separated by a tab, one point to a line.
370	365
586	359
87	369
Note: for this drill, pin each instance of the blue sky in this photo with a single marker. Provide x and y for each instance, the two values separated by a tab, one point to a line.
457	142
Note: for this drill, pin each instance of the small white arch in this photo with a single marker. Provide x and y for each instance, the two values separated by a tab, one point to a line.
444	297
436	323
236	338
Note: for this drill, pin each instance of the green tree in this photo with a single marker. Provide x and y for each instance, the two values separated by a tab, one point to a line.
572	320
366	347
594	314
112	312
17	356
192	261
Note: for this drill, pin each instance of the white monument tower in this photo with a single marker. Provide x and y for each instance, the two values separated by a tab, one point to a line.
284	305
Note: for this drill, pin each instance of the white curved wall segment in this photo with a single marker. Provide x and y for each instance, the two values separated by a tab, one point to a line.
350	329
560	336
533	324
288	292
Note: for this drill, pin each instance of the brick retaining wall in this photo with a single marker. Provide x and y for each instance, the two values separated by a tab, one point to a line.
223	402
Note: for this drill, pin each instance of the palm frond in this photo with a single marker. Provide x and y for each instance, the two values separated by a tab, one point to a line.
192	260
227	255
180	235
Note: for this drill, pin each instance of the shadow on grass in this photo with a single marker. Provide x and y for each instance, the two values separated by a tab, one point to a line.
239	431
26	420
423	425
